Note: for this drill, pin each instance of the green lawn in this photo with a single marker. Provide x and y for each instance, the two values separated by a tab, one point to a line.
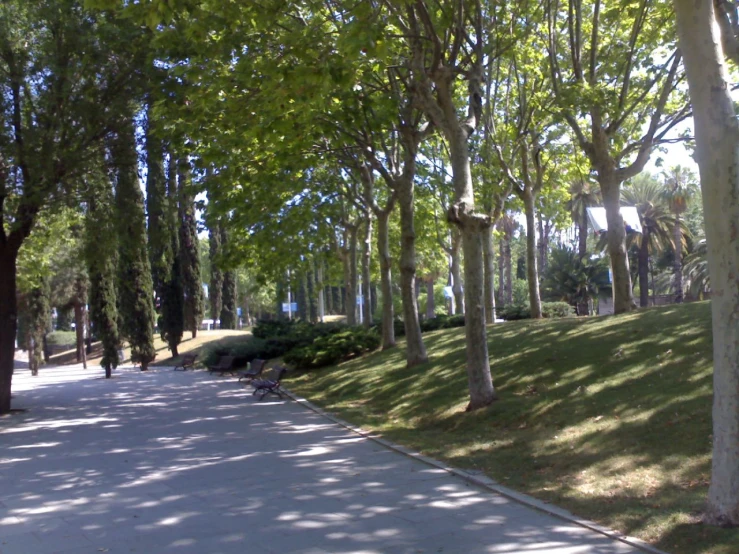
608	417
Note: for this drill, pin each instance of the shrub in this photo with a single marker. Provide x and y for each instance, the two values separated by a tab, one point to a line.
548	310
333	348
62	338
557	309
265	329
514	312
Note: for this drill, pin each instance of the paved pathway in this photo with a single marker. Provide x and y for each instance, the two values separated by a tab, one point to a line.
191	463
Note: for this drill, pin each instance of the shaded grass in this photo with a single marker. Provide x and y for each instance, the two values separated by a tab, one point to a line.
609	417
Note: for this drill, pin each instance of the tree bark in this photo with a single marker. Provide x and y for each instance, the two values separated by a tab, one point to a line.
8	322
717	149
644	270
532	271
462	213
79	327
383	250
678	264
366	274
415	349
430	305
508	258
623	300
321	292
488	260
457	285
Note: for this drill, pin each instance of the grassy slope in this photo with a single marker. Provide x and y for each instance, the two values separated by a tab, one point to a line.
608	417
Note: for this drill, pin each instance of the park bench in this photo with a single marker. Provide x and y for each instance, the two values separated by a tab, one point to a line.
187	361
225	365
255	370
264	387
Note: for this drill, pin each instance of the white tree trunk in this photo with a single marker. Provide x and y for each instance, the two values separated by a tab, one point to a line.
415	349
532	271
383	250
623	298
717	148
488	258
366	274
457	288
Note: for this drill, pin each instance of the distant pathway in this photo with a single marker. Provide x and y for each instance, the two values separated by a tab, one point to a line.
187	463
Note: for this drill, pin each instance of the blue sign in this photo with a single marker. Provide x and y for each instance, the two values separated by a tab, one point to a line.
360	300
238	312
292	307
448	292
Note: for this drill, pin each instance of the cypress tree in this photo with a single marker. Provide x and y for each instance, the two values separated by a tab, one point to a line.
216	275
172	318
160	243
134	271
101	267
228	310
189	251
37	311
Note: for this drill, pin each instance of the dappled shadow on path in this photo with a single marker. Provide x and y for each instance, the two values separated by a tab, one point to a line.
191	463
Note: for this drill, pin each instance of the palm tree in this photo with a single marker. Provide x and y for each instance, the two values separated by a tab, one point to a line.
680	187
647	195
583	195
696	268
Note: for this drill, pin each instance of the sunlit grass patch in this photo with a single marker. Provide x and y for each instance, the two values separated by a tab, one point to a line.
608	417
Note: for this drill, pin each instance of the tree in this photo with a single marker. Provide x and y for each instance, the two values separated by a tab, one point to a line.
228	294
66	76
135	290
647	194
584	194
717	153
189	250
37	311
100	254
680	187
619	102
216	275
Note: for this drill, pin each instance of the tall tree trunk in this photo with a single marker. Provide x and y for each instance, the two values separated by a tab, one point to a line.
321	291
488	260
582	232
462	213
543	245
366	272
353	282
501	271
717	149
678	264
8	322
415	349
508	268
386	285
430	305
457	284
623	300
79	327
644	270
532	271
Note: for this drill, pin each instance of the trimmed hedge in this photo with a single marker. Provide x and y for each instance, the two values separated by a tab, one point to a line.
334	348
62	338
548	310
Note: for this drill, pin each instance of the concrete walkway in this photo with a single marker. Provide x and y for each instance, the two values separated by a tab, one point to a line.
192	463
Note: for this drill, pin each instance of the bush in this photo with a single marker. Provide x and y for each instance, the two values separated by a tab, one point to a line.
332	349
557	309
265	329
442	321
514	312
62	338
548	310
